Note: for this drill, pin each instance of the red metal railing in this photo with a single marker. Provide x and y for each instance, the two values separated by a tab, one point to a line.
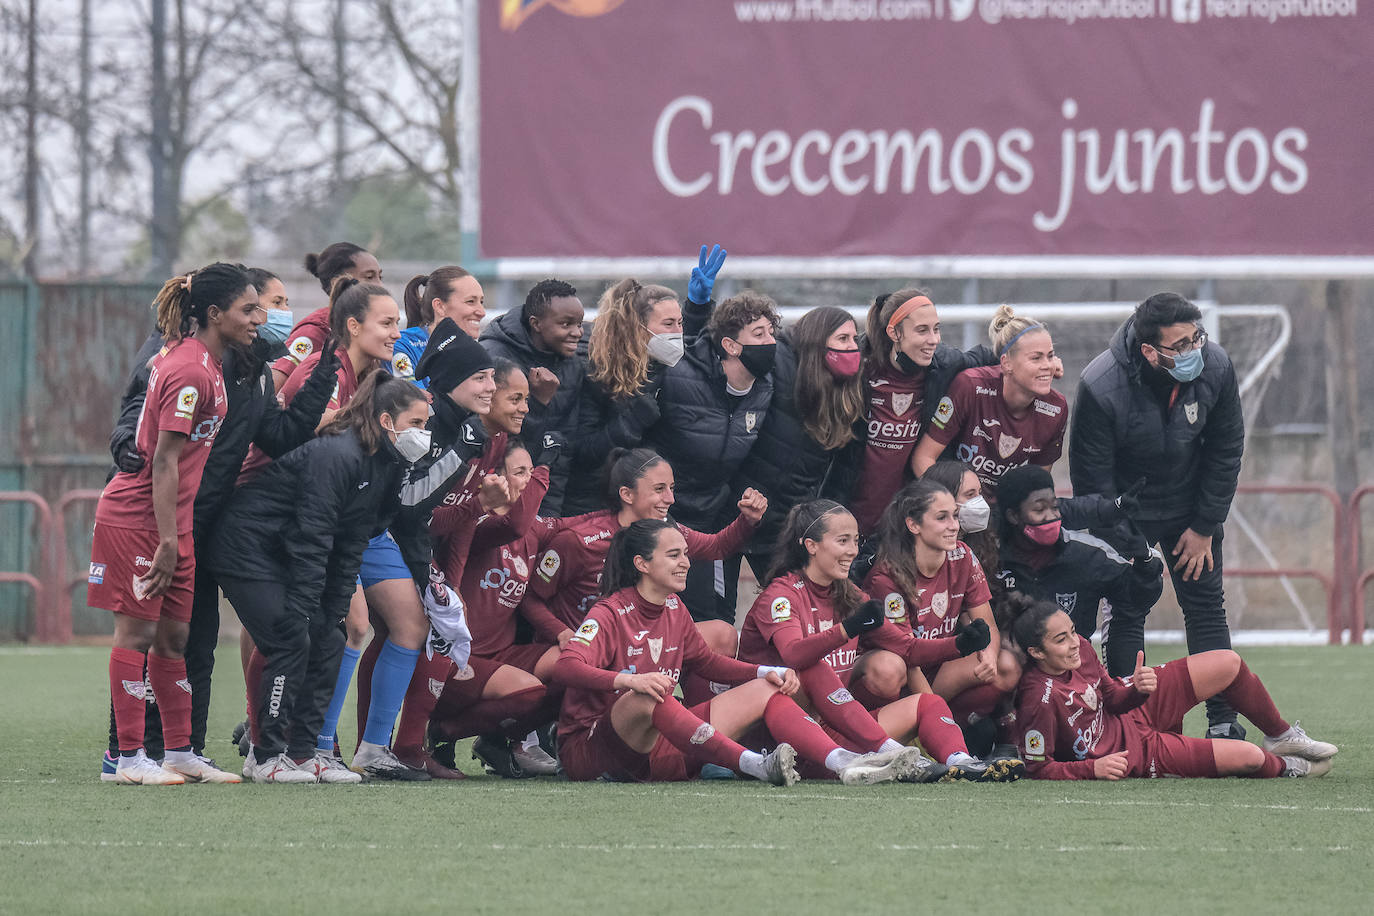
42	622
60	581
1355	563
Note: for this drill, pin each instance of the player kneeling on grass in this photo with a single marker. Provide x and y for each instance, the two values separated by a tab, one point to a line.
620	719
814	619
1073	721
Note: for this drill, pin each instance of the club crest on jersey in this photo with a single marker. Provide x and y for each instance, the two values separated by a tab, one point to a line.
1067	602
97	574
750	419
671	602
1190	411
436	687
939	604
587	632
894	607
518	564
1090	697
549	564
300	348
186	401
656	649
1035	743
901	403
944	411
782	610
1007	445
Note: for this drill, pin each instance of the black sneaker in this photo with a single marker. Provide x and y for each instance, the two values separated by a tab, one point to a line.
1233	730
378	762
548	738
495	755
1006	768
444	751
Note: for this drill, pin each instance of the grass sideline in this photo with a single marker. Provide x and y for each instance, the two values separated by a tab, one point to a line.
69	843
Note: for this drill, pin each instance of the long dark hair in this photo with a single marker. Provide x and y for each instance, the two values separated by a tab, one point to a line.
624	467
350	299
879	314
638	539
183	303
810	521
950	474
829	406
437	284
1026	618
332	262
896	543
379	393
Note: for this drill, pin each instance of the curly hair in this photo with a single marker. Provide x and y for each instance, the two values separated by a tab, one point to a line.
617	356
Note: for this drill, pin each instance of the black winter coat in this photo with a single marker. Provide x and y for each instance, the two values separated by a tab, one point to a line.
1123	429
1084	571
306	520
604	423
252	416
786	464
508	339
705	433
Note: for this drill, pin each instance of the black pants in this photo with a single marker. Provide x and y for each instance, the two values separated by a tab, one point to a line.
200	669
302	656
711	590
1204	612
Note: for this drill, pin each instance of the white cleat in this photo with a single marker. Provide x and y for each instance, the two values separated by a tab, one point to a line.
781	766
138	770
878	767
282	769
1300	767
534	761
1296	743
330	769
194	768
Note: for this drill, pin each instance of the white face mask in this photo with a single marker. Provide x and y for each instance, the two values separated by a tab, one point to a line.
413	443
666	348
974	515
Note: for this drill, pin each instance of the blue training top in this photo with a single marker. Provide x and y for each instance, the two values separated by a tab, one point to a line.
407	353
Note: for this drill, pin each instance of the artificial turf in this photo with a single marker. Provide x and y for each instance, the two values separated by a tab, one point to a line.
69	843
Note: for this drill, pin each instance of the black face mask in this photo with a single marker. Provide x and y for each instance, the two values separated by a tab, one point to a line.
758	358
907	364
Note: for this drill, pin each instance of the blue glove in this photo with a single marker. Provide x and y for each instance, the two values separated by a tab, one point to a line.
704	274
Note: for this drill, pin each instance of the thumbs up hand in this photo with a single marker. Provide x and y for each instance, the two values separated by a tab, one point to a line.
1144	678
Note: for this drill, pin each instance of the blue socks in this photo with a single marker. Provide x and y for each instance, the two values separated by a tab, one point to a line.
324	741
390	678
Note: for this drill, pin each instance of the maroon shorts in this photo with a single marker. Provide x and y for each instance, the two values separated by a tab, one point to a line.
120	556
524	657
1167	752
1166	707
602	752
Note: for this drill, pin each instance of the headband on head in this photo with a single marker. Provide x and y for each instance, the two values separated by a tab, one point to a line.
647	463
905	309
1026	330
831	511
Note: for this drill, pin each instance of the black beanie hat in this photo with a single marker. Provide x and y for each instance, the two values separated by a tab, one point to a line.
1018	483
450	357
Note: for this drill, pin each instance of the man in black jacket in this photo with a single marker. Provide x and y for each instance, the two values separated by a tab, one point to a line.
712	405
542	337
1163	404
252	416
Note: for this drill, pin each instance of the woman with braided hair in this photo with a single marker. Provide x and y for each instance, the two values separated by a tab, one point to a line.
142	556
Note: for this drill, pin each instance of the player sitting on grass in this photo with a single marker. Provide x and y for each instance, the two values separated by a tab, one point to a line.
620	719
1073	721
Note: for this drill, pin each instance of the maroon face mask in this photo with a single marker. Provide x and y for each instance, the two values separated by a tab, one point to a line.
1045	534
842	363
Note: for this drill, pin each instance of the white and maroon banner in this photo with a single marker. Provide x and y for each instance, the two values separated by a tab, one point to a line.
807	128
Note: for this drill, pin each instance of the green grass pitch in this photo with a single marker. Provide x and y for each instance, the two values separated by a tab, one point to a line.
69	843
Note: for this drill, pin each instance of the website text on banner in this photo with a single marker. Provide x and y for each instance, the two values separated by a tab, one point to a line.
979	127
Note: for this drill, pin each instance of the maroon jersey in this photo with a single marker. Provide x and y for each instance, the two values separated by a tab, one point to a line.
626	633
568	575
974	417
305	338
185	395
894	425
794	623
1066	721
934	610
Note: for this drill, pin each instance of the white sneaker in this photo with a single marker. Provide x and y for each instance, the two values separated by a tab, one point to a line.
781	766
887	766
198	769
1298	767
138	770
1296	743
376	761
252	770
534	761
282	769
331	769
